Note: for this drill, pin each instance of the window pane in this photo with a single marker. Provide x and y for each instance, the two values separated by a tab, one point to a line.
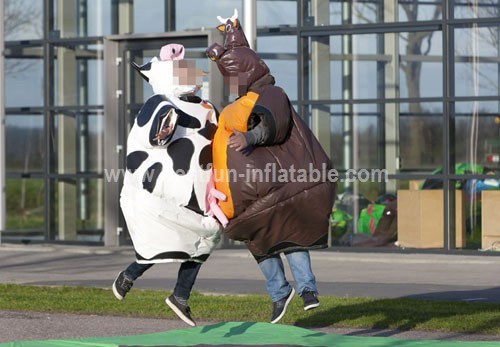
90	204
362	141
98	18
420	10
78	210
374	11
78	142
149	16
353	64
477	61
477	9
91	142
280	54
477	134
25	203
421	136
196	14
78	75
365	66
354	134
23	77
421	67
82	18
23	19
341	11
25	146
276	13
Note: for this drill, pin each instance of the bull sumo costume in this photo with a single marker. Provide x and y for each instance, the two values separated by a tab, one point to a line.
282	207
166	192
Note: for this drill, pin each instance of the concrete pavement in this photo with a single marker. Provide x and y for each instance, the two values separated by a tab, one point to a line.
472	278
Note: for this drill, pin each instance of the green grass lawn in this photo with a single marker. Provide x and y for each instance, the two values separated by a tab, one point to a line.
402	314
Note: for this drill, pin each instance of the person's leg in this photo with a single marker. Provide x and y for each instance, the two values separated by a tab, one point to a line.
280	291
125	279
135	270
300	265
276	283
188	271
186	277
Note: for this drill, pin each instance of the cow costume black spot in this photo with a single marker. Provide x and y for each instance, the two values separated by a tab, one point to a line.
164	195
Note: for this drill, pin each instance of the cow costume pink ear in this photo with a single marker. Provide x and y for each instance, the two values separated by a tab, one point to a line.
172	51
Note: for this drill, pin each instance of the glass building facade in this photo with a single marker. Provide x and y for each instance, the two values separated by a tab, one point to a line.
407	88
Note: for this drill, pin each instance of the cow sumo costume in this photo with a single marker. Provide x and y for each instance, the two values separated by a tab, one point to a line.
164	195
271	213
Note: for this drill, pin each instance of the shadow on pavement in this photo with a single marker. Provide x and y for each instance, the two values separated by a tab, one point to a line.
410	314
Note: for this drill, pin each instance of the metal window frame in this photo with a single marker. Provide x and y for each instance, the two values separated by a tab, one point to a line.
446	25
304	32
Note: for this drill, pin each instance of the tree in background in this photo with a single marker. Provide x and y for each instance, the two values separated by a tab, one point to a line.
20	16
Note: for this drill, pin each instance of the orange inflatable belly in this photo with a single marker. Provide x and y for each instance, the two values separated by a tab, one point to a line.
234	116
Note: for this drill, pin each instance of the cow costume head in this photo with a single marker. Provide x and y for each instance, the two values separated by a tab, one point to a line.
237	62
171	75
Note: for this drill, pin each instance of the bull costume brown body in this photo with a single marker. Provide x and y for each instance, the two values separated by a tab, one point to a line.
273	211
271	214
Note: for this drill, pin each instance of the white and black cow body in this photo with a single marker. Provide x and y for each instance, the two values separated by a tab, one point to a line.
164	192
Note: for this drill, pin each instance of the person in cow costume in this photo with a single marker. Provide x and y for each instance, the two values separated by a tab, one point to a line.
167	199
272	212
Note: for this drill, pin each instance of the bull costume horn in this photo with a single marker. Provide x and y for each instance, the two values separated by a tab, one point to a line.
232	18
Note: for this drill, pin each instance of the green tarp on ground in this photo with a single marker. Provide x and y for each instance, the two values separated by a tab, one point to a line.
245	334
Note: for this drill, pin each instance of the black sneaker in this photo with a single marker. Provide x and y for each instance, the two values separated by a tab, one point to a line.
310	300
122	285
183	311
279	307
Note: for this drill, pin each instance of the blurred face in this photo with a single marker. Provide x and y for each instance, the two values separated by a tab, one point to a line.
237	84
186	73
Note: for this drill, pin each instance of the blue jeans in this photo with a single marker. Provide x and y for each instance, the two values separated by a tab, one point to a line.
276	283
185	277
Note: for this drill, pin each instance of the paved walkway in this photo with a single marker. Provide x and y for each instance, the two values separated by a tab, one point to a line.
472	278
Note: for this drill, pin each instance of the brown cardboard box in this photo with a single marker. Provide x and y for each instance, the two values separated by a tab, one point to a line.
490	218
421	219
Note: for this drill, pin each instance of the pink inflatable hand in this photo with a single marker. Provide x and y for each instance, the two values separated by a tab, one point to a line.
172	51
212	206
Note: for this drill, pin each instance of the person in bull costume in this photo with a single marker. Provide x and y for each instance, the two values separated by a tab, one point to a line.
283	207
167	198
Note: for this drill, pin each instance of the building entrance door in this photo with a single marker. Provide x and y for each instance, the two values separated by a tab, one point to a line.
126	91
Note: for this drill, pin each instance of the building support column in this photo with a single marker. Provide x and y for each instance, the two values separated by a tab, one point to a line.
250	22
320	76
347	87
391	88
66	124
3	206
113	112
